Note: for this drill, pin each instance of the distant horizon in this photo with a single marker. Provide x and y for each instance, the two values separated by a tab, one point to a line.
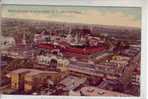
74	23
132	31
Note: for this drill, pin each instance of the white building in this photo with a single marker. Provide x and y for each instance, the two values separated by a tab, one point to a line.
45	60
6	42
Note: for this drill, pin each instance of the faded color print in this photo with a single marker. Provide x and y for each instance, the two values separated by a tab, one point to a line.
70	50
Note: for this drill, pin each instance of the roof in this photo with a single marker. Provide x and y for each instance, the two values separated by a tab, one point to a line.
94	91
72	82
33	72
29	72
86	50
19	71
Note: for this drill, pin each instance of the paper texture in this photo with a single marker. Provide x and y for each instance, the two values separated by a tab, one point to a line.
54	50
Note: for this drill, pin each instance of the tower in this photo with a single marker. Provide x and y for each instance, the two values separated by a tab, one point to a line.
24	40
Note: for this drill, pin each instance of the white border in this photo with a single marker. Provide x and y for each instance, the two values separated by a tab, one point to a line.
122	3
131	3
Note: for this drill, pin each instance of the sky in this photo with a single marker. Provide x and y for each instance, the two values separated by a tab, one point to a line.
119	16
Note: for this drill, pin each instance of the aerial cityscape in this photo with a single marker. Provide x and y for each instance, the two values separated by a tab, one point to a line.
48	57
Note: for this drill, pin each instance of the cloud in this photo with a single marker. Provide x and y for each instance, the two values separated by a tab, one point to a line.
88	17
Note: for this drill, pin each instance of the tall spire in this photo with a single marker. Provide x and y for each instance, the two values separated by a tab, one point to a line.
24	39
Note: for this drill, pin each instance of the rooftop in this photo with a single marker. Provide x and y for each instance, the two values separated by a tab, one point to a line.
94	91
